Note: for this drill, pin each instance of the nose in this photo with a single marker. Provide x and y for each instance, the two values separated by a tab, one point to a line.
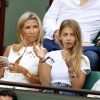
31	30
68	37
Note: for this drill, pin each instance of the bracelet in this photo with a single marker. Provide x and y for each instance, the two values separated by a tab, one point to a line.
72	75
42	60
28	75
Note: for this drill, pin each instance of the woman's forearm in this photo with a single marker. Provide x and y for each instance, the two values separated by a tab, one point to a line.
2	72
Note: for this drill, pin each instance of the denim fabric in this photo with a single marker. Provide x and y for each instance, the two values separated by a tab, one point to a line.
50	45
93	53
59	84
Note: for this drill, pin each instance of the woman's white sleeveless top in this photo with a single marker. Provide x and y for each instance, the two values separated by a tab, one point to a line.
29	60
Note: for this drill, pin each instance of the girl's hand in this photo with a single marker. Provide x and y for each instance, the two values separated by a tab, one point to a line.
67	57
55	36
98	43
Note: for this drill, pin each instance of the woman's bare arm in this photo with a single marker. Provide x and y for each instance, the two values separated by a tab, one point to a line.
45	74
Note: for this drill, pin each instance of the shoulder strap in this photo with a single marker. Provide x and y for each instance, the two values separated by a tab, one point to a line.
18	60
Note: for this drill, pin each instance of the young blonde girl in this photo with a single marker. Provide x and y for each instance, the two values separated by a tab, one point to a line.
67	67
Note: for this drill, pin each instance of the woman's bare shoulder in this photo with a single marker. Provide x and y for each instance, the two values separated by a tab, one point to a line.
7	50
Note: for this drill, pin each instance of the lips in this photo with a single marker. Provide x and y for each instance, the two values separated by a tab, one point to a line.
68	43
32	36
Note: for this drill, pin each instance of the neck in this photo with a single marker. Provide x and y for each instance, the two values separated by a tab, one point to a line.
69	50
83	2
25	43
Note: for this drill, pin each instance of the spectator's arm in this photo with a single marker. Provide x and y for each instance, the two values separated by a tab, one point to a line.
50	18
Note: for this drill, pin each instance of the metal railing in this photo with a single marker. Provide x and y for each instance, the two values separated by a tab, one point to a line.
37	86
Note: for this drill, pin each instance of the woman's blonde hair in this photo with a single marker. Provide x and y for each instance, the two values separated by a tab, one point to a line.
25	17
77	49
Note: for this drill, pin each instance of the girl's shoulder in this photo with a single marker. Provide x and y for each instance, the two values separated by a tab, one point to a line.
85	57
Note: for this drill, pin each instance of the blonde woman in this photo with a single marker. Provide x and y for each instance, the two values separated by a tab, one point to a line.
24	58
67	67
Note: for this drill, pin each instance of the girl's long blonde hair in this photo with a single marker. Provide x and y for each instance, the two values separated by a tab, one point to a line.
77	49
25	17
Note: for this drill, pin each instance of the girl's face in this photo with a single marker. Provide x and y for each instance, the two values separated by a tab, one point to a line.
30	31
68	38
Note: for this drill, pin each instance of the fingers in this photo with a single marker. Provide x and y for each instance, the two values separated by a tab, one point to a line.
12	64
65	52
66	55
55	36
12	67
3	64
98	43
36	48
39	51
71	69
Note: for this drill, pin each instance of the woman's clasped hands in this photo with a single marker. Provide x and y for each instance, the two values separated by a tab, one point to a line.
16	68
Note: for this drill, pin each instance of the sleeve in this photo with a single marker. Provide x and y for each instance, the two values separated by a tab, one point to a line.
85	65
49	21
49	59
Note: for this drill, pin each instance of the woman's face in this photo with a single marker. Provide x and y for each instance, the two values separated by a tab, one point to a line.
30	31
68	38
